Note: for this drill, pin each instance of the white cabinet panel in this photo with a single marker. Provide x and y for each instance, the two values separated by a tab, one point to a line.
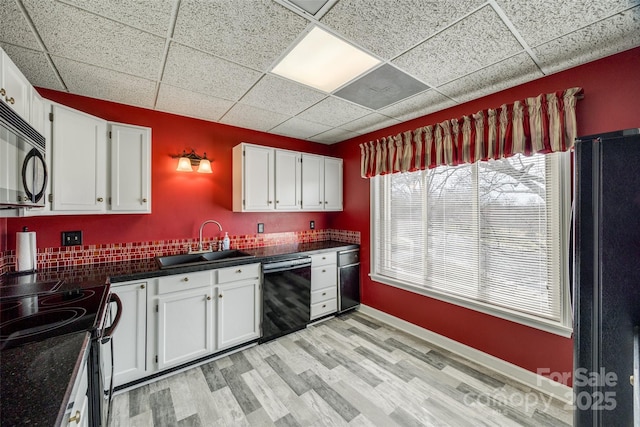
254	188
79	161
14	87
332	184
37	117
287	180
238	313
312	182
129	337
130	168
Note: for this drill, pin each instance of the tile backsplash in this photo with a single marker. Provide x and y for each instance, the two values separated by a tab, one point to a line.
68	256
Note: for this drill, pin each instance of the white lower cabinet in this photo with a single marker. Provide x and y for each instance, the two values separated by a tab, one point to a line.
79	414
324	284
129	337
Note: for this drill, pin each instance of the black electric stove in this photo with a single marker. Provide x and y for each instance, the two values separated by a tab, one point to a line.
34	311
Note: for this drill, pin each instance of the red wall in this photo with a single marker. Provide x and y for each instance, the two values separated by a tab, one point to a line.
180	201
612	90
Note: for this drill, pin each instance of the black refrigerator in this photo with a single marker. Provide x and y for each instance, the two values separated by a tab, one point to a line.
606	278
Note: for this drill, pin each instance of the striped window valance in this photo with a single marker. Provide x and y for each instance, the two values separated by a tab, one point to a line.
542	124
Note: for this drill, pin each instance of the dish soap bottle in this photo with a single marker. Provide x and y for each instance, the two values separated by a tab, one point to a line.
226	243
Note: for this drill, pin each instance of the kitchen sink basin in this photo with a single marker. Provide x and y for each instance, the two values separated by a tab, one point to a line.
174	261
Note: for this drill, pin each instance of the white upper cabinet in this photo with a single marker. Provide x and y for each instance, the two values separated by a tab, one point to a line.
38	115
269	179
130	147
79	165
287	180
15	89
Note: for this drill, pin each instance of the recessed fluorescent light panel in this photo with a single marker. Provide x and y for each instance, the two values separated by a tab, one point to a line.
324	61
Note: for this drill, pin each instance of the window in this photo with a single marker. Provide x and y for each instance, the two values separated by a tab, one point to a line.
492	236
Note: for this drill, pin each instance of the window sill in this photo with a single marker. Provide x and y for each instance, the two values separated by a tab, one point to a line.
503	313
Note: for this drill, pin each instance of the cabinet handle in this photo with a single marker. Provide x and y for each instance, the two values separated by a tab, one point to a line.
220	296
238	271
324	257
3	92
141	286
100	199
319	203
269	202
186	279
324	271
75	418
325	202
144	200
324	305
10	100
324	293
277	201
209	297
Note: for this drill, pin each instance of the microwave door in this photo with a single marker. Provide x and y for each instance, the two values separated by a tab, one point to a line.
34	176
9	176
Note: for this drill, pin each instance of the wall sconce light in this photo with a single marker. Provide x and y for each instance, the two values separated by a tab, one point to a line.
187	161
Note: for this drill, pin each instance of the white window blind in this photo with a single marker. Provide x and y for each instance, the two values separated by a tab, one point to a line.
489	235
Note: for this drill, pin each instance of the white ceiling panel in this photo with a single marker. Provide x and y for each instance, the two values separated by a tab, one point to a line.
186	103
298	128
200	72
96	82
508	73
473	43
153	16
35	66
212	59
613	35
543	20
251	33
253	118
333	112
112	45
388	28
281	95
421	104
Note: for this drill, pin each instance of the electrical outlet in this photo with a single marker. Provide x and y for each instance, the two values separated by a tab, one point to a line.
71	238
312	225
260	227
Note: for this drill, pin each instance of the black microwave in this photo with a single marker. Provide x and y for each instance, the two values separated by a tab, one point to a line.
23	170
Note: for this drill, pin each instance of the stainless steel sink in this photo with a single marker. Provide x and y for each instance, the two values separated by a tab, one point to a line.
174	261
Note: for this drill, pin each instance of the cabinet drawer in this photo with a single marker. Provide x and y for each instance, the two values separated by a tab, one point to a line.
325	258
324	276
322	308
180	282
324	294
239	272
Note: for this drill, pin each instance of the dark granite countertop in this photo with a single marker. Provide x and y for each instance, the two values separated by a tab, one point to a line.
37	379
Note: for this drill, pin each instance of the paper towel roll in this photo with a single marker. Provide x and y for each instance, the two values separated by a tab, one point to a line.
26	251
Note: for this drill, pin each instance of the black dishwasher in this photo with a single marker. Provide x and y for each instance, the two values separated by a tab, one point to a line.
348	279
286	296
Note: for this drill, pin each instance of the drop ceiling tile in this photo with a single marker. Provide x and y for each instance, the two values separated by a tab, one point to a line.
175	100
387	28
543	20
298	128
280	95
34	66
618	33
14	27
101	83
148	15
366	124
251	33
332	136
505	74
381	87
417	106
473	43
249	117
333	112
95	40
200	72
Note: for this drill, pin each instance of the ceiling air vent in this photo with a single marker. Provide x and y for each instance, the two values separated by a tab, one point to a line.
314	8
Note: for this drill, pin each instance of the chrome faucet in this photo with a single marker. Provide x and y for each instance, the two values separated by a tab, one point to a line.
200	248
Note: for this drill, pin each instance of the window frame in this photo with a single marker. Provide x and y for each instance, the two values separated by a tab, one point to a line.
563	327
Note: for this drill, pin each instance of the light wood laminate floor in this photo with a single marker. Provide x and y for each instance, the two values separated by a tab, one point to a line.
350	370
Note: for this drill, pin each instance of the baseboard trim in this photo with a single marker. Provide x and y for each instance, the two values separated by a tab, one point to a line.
559	391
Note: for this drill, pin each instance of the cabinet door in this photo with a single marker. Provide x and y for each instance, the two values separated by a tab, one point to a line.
185	326
287	180
79	161
129	338
15	85
130	168
258	178
37	117
312	182
332	184
238	318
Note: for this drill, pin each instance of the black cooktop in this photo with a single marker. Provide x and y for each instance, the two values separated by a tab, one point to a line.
44	313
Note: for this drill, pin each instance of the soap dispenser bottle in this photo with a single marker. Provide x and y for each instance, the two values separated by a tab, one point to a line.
226	243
